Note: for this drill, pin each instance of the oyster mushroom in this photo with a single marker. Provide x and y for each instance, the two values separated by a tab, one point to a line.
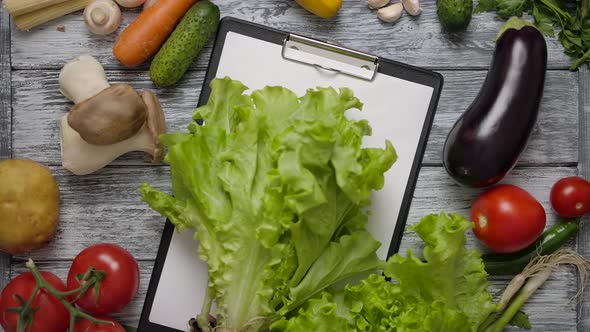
106	121
81	157
111	116
156	123
82	78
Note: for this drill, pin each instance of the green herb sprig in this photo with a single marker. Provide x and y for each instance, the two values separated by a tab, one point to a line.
569	17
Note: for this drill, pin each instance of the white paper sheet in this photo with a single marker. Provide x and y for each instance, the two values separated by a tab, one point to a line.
396	110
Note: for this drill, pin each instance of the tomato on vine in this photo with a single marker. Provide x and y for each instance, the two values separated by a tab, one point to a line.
119	278
44	312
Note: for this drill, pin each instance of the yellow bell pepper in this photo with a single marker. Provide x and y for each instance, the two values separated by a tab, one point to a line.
321	8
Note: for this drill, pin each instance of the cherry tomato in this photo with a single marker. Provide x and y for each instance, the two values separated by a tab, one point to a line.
119	285
507	218
84	325
51	315
570	197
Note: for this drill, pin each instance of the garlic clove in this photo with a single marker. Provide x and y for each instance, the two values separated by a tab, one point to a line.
391	13
102	17
81	78
113	115
412	7
376	4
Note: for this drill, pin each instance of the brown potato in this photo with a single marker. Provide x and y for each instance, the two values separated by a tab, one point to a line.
29	206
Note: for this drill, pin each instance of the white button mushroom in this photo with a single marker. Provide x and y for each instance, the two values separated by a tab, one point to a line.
391	13
102	17
130	3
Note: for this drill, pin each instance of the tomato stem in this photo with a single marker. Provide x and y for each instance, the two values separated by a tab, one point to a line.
88	282
26	311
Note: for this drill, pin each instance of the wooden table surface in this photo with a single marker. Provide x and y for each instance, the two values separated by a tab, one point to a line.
105	207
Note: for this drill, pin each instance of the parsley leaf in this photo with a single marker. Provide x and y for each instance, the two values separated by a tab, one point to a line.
485	6
521	320
543	20
512	7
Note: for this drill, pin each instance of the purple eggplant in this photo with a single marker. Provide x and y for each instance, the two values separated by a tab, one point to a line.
488	139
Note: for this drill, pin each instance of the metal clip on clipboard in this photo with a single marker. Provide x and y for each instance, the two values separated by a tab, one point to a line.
330	57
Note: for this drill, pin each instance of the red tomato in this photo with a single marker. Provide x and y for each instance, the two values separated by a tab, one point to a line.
84	325
51	315
119	285
570	197
507	218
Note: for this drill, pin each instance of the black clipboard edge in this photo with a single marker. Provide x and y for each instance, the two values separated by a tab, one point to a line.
388	67
144	318
402	217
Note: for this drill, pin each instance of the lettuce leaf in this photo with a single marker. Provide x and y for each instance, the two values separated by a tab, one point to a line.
277	189
447	291
318	314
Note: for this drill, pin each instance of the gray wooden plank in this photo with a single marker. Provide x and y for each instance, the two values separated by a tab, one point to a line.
5	262
5	89
5	116
105	207
38	106
419	41
584	171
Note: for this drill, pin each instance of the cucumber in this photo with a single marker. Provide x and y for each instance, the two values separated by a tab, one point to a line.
455	14
551	240
185	43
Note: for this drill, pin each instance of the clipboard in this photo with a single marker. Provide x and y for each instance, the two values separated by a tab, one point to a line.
399	102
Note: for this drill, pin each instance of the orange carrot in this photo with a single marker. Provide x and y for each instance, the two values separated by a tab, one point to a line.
144	37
